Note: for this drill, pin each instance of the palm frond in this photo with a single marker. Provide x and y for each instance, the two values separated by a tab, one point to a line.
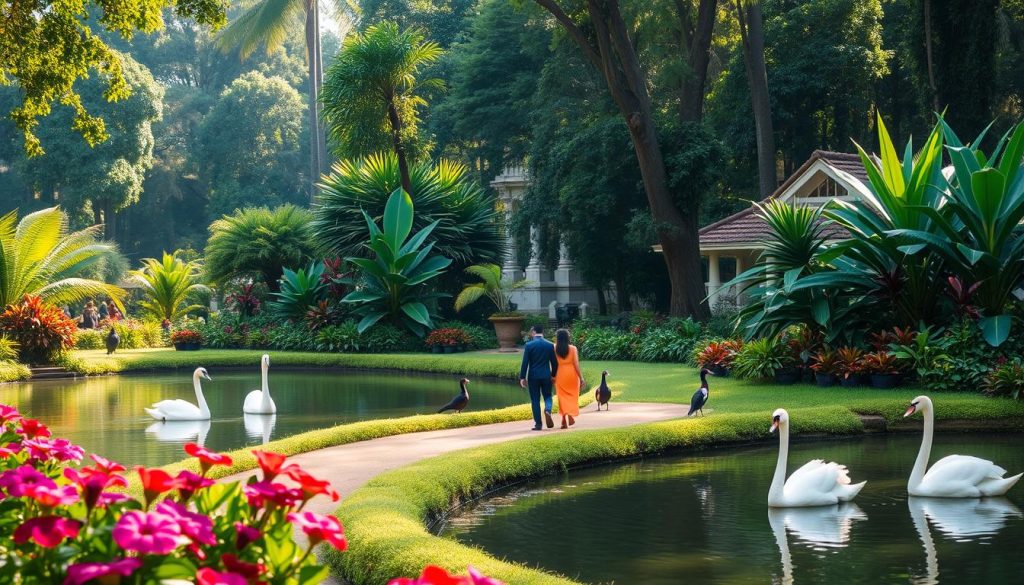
266	24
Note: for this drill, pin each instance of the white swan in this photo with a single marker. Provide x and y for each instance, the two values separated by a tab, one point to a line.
180	431
815	527
182	409
259	426
955	476
259	401
817	483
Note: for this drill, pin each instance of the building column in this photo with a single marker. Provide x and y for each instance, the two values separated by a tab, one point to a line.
510	269
533	268
564	274
714	280
739	270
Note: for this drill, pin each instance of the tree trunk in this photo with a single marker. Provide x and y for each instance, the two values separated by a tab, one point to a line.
929	63
109	219
625	304
396	137
698	45
602	301
312	36
321	133
751	25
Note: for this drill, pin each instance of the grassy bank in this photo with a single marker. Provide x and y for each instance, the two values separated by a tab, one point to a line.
12	372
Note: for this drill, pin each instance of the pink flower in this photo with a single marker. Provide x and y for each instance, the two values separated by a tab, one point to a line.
9	414
147	533
207	458
319	528
310	485
56	496
32	428
189	483
270	463
84	572
207	576
105	465
59	449
22	481
46	531
107	498
246	535
92	482
248	570
261	492
195	526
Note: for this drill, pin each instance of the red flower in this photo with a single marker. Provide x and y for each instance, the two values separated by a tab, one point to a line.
310	485
319	528
82	573
270	463
105	465
261	492
59	449
207	458
31	428
246	535
92	482
154	482
188	483
52	497
207	576
249	570
434	575
47	531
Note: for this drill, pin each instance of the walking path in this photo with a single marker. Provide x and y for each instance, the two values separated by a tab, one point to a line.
348	467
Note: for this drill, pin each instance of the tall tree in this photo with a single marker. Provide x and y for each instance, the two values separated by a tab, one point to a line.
373	85
751	27
599	28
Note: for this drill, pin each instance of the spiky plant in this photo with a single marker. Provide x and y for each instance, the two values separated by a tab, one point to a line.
492	286
167	284
258	243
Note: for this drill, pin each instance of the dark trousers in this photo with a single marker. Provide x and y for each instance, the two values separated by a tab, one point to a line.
539	387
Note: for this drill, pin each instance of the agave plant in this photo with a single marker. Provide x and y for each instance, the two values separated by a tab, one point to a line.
40	257
393	283
492	285
167	284
299	291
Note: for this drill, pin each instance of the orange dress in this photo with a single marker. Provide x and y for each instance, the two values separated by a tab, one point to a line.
567	383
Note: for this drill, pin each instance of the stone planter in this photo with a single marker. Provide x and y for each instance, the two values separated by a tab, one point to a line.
449	349
885	381
187	346
436	349
509	331
824	380
787	376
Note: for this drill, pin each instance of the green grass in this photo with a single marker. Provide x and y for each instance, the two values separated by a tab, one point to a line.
12	371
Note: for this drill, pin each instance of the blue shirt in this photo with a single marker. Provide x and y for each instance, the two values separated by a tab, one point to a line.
539	359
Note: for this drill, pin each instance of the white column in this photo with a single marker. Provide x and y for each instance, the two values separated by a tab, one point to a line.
739	270
510	268
714	280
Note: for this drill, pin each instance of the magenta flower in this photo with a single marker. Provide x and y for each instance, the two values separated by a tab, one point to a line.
9	414
107	498
59	449
246	535
197	527
56	496
22	481
147	533
189	483
46	531
247	570
261	492
207	576
105	465
84	572
207	458
319	528
32	428
92	482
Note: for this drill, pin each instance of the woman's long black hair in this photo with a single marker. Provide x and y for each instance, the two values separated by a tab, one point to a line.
562	342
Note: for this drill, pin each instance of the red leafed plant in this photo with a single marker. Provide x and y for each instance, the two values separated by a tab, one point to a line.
434	575
186	336
447	336
40	330
244	300
848	361
880	362
961	294
719	353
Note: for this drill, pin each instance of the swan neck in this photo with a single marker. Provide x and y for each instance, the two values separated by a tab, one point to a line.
779	479
203	408
266	388
921	465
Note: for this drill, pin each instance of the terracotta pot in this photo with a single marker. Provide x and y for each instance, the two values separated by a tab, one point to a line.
509	331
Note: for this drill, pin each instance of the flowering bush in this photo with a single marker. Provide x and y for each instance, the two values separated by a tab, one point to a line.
433	575
40	330
62	524
447	336
186	336
245	300
719	354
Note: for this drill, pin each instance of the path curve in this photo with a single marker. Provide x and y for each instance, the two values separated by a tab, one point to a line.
348	467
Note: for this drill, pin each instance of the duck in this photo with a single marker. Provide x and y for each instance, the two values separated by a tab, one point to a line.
700	397
259	401
177	409
817	483
459	402
603	393
113	340
955	476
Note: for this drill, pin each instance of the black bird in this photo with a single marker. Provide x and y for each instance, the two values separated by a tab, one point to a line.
603	393
459	402
700	397
113	340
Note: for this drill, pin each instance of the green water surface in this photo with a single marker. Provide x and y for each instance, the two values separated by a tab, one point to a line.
704	518
105	414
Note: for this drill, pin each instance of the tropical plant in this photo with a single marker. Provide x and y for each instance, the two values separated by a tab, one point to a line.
467	218
446	336
41	331
40	257
719	354
257	243
167	285
1007	379
880	362
759	359
322	314
299	291
825	362
244	300
924	354
393	283
849	361
493	286
8	349
370	91
187	336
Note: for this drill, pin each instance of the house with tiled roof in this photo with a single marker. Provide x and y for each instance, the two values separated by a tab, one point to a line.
733	244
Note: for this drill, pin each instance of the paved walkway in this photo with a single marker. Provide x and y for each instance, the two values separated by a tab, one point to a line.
348	467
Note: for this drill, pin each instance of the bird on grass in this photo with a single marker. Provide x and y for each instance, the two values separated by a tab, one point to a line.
603	393
700	397
113	340
459	402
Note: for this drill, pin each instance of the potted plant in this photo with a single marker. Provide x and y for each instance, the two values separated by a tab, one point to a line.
848	366
718	356
508	324
882	367
765	359
187	340
825	365
447	340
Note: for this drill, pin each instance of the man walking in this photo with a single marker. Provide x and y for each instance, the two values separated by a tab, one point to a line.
538	370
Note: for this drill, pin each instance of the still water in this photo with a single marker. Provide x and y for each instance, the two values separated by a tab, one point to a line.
105	414
705	519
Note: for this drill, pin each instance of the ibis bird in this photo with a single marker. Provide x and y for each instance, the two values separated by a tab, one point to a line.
603	393
113	340
700	397
459	402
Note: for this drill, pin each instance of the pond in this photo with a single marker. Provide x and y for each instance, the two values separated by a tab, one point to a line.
705	519
105	414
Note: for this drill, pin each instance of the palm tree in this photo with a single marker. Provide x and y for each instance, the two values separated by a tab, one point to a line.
491	285
39	257
266	23
167	284
373	79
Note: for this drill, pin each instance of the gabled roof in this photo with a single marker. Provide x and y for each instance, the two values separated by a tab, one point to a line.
746	229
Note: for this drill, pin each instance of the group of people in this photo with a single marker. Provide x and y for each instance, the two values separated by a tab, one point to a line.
95	312
551	367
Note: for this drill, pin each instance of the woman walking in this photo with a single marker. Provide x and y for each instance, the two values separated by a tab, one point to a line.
569	380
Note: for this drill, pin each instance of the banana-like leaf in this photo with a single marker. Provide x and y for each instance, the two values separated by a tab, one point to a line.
995	329
398	218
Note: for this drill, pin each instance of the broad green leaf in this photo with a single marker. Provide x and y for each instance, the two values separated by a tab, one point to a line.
996	329
362	296
820	310
175	568
891	171
368	321
417	311
398	218
971	254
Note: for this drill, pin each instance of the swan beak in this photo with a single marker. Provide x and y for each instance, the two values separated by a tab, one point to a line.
775	425
207	376
910	410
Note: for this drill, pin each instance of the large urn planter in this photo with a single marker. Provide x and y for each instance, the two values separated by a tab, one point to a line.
509	331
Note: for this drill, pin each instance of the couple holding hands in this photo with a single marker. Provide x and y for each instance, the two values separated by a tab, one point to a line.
547	364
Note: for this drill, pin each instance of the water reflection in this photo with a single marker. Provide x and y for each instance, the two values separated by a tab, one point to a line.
819	529
180	431
259	426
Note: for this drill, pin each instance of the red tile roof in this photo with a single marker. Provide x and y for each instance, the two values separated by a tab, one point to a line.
745	228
